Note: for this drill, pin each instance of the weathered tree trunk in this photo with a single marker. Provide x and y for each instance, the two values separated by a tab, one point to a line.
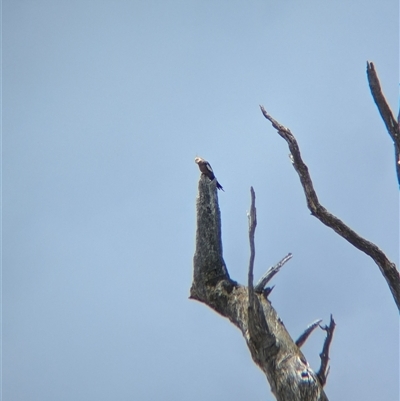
248	308
270	345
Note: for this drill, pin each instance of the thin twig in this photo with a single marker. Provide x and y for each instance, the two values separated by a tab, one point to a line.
324	355
252	229
391	124
258	330
387	268
267	291
271	273
303	337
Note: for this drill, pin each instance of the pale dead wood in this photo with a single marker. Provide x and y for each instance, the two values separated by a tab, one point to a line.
271	273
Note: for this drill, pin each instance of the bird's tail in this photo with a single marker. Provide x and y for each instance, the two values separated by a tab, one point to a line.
219	186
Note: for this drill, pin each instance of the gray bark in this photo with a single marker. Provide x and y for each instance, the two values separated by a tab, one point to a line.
272	349
387	268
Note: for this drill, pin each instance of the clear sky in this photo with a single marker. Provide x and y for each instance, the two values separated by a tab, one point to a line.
105	104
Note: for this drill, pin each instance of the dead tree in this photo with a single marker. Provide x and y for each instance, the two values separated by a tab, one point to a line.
248	307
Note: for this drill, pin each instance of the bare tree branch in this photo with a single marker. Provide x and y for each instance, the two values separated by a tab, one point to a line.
259	334
324	355
252	216
391	124
304	336
271	347
271	273
387	268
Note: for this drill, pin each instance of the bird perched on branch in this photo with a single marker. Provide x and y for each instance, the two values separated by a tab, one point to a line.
206	169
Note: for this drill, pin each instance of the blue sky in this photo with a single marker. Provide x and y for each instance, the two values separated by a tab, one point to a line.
105	104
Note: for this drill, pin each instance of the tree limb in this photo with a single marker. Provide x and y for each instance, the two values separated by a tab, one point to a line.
387	268
304	336
324	355
270	345
391	124
252	216
271	273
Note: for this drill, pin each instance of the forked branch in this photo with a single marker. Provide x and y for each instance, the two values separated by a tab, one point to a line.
324	355
387	268
270	345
